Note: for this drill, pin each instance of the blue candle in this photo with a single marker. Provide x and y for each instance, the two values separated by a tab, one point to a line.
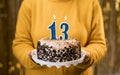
53	29
66	28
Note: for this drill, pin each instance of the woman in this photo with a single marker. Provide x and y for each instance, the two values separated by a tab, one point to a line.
86	25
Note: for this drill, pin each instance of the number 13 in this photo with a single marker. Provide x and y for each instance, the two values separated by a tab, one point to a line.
53	30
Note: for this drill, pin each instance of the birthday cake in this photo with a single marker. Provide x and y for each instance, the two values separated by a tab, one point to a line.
58	50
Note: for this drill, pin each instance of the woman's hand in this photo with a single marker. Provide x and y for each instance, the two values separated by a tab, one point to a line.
85	62
30	56
87	57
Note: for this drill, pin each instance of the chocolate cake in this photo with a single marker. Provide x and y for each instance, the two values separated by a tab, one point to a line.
58	50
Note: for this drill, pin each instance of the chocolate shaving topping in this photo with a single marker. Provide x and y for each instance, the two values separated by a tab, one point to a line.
46	53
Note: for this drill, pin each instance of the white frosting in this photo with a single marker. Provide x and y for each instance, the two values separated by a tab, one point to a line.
59	44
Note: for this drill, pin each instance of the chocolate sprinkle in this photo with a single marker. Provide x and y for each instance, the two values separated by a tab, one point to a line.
46	53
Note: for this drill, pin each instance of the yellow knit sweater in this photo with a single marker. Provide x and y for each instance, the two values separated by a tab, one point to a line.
86	25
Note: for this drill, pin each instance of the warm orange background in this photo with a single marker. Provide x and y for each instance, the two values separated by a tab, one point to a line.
110	65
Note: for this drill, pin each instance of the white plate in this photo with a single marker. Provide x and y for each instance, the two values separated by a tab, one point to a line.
57	64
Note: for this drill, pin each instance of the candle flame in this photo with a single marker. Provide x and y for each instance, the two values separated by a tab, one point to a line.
65	18
54	16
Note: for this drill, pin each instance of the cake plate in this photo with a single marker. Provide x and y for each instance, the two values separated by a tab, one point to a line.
58	64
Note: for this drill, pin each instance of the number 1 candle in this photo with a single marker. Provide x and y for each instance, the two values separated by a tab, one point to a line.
53	29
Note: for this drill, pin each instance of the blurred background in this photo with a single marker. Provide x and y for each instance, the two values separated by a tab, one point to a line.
109	65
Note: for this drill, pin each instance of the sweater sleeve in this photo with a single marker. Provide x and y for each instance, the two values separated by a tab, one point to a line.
23	44
96	43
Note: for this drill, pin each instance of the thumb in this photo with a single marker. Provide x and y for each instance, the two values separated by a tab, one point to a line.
87	56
